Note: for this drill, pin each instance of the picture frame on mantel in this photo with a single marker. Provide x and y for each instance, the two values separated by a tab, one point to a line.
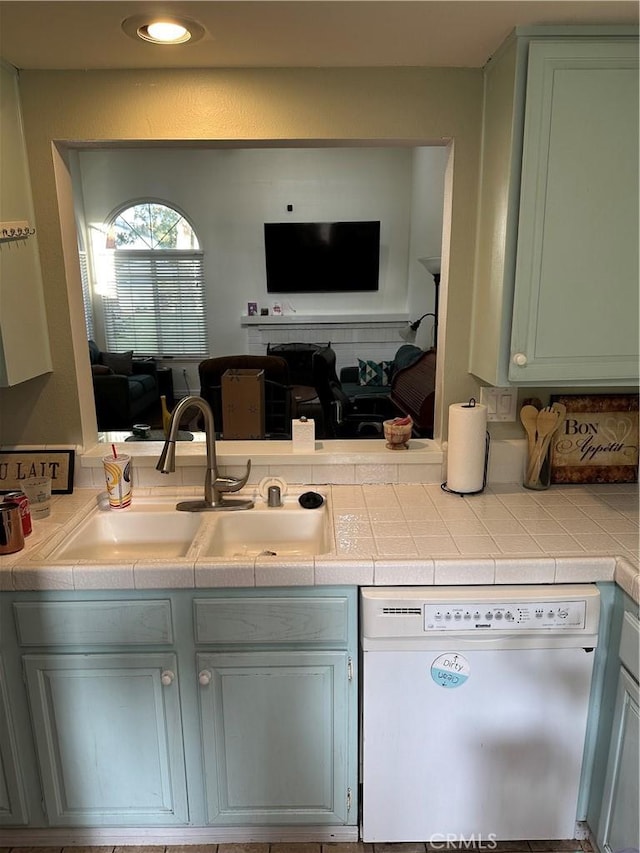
17	465
598	441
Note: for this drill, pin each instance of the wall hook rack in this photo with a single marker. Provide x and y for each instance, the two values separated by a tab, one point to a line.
16	230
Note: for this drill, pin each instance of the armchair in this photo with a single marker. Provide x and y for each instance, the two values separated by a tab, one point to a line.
344	416
125	389
277	391
299	357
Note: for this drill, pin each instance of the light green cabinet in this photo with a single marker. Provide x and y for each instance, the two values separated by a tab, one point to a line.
278	698
215	708
275	737
108	738
556	282
102	685
619	823
12	803
610	795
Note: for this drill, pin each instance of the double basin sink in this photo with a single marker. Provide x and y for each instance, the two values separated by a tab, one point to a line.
152	528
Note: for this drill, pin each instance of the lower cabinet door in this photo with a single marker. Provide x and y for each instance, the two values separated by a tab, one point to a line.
619	825
275	736
12	807
108	735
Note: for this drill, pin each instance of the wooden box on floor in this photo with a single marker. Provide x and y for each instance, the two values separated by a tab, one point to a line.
243	404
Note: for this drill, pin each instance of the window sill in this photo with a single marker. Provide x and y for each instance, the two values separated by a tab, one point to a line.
421	451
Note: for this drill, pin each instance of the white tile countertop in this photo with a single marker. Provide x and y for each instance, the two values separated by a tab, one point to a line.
384	535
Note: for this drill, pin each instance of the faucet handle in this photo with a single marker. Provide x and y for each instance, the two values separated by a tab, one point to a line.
232	484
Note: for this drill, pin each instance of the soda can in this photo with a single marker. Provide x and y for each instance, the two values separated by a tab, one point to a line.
25	512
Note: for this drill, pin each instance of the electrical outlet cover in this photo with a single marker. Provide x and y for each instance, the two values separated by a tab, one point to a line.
501	403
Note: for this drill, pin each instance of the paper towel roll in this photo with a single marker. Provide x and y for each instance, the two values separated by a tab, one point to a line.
467	447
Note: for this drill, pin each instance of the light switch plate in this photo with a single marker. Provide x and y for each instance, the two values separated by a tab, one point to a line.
501	403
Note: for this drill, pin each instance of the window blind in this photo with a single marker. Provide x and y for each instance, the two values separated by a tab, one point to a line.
155	303
86	295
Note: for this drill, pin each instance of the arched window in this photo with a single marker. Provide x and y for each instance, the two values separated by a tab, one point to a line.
149	277
150	225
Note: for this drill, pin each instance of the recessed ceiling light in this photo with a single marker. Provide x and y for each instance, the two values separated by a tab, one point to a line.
164	32
165	29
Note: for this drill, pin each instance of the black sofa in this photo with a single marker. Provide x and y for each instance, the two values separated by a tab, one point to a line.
410	386
350	376
125	389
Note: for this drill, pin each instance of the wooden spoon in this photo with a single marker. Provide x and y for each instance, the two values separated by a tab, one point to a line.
546	425
529	419
561	409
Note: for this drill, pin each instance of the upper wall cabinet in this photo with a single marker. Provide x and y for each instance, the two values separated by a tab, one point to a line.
24	336
556	285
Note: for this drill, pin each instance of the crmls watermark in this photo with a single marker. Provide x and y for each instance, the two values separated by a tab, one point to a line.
452	840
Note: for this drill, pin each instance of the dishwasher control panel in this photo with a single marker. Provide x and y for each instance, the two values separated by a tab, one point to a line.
511	616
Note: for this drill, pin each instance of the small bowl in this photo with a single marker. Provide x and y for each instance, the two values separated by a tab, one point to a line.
397	435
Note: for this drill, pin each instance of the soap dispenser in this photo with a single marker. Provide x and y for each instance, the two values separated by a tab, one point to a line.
303	434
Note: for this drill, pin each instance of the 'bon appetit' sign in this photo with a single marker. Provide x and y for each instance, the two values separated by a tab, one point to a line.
598	441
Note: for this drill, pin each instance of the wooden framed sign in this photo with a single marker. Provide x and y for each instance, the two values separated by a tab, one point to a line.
598	441
17	465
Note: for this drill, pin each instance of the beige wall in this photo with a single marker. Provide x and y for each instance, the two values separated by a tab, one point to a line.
412	106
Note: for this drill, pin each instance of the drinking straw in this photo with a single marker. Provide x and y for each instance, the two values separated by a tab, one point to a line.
115	452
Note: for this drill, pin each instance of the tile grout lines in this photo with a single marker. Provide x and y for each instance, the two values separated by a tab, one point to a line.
569	846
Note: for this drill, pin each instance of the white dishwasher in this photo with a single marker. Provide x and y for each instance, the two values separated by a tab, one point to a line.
474	710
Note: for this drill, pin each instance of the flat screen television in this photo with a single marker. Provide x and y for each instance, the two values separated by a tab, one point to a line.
320	257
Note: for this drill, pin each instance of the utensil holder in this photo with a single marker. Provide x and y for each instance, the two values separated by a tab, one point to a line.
538	477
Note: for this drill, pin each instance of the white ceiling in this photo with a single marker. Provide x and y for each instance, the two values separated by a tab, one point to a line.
87	34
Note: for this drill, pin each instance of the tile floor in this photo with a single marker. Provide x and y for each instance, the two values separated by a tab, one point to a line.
333	847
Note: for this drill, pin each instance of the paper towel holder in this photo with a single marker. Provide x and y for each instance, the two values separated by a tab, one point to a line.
470	405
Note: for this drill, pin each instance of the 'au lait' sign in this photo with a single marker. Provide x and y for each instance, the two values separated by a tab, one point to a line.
17	465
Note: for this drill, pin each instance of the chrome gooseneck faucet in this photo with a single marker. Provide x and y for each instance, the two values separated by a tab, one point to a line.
215	486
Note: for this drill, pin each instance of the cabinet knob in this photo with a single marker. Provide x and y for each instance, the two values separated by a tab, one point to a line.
520	359
204	677
167	677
